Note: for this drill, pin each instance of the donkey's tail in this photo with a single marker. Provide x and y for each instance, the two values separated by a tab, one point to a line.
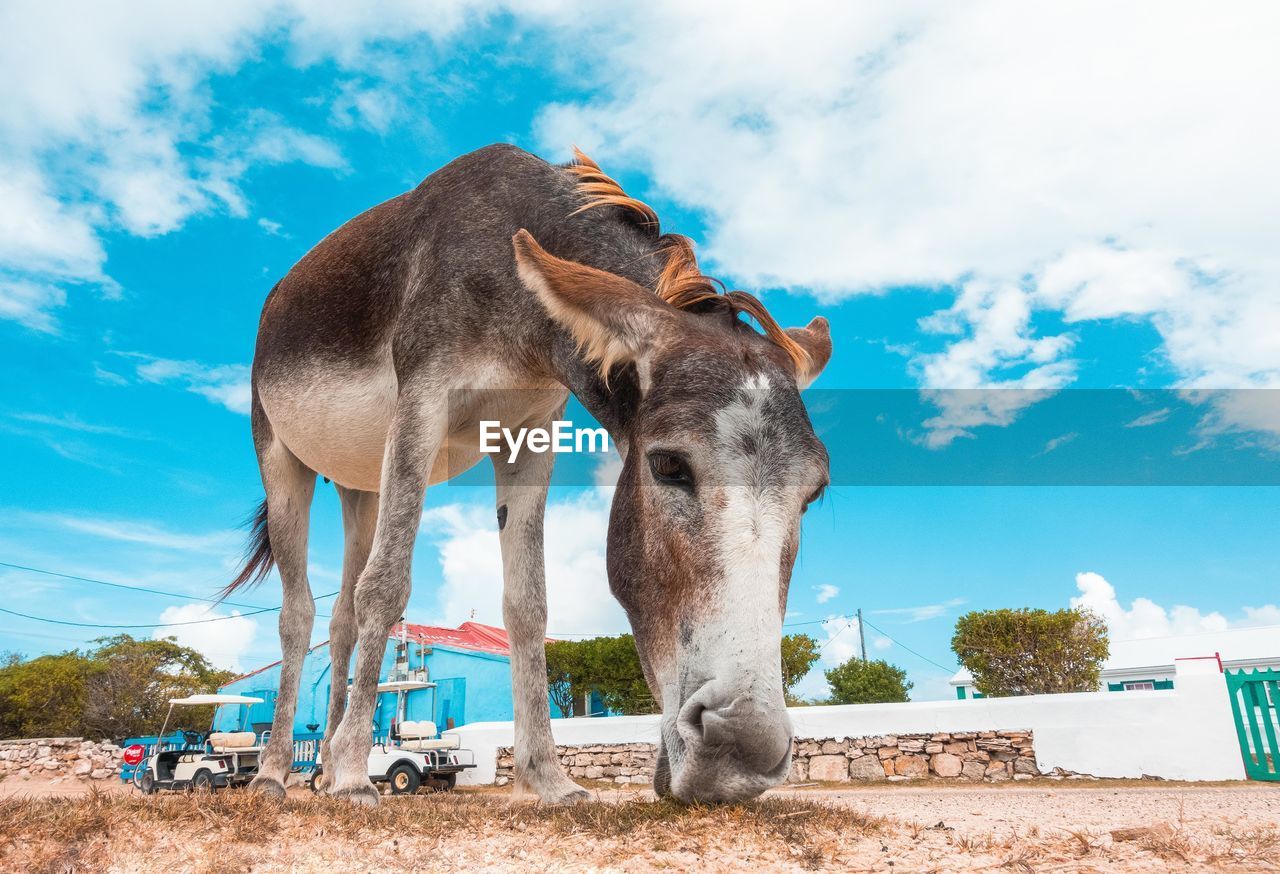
258	559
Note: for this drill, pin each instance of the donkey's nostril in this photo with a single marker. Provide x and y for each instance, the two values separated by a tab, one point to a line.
757	735
717	728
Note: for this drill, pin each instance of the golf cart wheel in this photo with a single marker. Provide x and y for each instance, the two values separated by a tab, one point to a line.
146	783
313	782
404	780
203	781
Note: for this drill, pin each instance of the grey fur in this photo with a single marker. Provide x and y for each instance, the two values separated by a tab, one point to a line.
379	352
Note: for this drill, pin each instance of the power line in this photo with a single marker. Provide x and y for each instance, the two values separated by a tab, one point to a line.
842	630
142	625
256	607
944	668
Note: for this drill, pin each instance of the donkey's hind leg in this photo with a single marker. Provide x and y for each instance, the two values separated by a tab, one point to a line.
359	516
289	485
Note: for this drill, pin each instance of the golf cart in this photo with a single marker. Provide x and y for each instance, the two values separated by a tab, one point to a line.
204	762
414	755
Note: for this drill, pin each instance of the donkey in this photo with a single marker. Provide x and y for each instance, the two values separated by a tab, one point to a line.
380	352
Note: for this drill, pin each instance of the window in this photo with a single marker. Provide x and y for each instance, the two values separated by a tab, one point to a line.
1141	685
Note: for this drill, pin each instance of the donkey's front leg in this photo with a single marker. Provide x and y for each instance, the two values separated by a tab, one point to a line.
522	500
383	589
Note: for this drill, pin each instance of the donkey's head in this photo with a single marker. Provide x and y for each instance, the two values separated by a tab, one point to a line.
719	462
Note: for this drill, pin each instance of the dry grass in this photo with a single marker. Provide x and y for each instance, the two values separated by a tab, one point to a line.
237	831
83	834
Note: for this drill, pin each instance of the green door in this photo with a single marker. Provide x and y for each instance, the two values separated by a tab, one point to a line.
1255	703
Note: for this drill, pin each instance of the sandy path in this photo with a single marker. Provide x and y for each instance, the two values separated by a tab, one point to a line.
1096	807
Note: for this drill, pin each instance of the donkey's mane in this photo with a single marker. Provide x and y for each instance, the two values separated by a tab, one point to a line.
681	283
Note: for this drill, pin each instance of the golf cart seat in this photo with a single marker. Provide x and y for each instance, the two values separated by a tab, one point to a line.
421	736
232	741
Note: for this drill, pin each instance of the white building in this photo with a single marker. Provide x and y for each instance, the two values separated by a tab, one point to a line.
1148	663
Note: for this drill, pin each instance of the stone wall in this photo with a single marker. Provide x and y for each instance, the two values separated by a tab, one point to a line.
59	757
975	756
962	755
616	763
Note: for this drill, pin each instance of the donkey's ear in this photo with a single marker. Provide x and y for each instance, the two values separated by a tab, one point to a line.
815	339
614	320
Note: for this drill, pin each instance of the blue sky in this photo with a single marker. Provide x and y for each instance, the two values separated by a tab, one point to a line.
966	214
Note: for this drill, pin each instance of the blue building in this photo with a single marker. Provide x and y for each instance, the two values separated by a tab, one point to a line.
470	666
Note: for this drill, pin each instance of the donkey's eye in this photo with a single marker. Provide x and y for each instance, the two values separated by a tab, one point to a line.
817	495
670	469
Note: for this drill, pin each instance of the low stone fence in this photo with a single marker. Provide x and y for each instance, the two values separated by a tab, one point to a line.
976	756
617	763
961	755
59	757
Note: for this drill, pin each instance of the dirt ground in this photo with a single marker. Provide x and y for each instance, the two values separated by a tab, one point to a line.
1070	826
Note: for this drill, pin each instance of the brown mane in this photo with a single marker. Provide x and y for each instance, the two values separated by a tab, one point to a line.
681	283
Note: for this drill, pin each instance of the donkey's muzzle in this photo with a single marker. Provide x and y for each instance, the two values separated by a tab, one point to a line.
735	746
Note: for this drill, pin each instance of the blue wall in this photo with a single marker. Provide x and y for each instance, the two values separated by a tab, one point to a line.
471	687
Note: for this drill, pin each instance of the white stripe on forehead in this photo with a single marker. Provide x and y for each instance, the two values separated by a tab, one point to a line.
749	530
744	414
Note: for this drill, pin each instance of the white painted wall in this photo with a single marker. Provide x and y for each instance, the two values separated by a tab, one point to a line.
1185	733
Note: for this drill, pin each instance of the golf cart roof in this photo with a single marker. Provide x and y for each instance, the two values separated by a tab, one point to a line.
216	699
404	685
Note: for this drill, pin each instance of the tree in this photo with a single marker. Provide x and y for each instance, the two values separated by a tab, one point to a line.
799	652
43	697
130	682
564	666
609	666
118	689
1031	651
859	682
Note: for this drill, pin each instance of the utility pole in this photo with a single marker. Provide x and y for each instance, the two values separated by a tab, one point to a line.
862	636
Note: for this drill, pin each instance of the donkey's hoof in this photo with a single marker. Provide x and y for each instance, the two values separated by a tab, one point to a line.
267	786
562	794
366	795
576	795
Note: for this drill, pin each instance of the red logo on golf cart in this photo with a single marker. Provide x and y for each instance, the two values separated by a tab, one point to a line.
134	753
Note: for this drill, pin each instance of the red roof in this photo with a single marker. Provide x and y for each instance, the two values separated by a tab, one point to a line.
468	635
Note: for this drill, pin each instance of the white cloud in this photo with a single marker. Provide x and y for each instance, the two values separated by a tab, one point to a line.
1268	614
374	108
881	643
131	531
1146	420
1104	164
608	469
842	641
578	597
224	643
107	124
31	304
72	422
41	235
826	592
921	613
902	144
1145	618
225	384
1058	442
